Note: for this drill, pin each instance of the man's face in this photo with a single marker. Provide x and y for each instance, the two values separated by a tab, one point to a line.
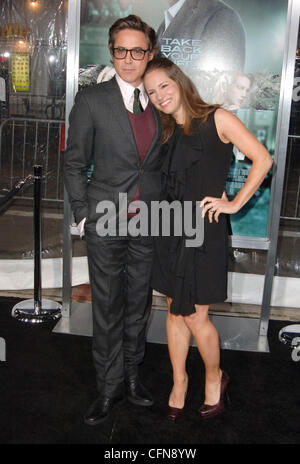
131	70
237	92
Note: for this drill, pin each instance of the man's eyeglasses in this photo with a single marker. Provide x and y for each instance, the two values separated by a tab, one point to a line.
136	53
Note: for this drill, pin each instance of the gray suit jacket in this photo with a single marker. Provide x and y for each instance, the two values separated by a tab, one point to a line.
206	35
100	130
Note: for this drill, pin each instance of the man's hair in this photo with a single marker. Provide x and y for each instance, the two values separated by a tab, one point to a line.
192	103
133	22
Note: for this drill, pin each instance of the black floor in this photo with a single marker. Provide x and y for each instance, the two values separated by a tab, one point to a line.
47	383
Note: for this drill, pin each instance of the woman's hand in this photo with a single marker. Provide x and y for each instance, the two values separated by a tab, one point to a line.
215	206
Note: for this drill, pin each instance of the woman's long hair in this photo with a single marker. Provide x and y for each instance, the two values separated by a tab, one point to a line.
193	104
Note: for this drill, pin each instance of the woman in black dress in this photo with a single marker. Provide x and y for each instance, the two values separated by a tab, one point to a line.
198	140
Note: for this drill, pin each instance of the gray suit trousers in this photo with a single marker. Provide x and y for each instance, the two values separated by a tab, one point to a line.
120	271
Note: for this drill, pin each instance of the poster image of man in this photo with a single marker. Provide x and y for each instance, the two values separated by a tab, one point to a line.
205	35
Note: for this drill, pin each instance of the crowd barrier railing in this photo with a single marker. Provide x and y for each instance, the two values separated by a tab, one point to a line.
34	310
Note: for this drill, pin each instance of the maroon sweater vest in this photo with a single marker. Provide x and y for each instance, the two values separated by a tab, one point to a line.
143	126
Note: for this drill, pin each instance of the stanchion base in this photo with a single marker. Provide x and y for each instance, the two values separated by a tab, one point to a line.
25	311
290	335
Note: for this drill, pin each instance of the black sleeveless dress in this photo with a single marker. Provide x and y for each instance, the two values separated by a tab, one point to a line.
194	166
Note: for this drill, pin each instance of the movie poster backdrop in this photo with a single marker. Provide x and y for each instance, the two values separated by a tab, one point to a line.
233	52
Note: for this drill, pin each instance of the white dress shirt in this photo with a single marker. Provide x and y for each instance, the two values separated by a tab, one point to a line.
127	94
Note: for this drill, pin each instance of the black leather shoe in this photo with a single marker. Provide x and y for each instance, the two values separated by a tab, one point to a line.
137	393
100	409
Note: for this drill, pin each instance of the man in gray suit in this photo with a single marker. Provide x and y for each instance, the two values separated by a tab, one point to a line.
115	125
206	35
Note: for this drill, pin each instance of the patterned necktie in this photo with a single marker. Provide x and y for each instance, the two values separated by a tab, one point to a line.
137	106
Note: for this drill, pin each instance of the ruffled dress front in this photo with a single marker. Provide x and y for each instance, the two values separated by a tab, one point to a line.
194	166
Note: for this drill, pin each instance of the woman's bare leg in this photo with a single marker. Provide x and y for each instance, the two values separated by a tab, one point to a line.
207	340
178	336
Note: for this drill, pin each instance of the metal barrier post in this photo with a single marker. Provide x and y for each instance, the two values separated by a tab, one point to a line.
2	349
37	238
37	310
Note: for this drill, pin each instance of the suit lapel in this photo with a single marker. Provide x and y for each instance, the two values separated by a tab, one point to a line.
186	16
117	106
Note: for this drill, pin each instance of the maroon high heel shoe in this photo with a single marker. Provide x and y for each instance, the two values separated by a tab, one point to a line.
206	410
173	414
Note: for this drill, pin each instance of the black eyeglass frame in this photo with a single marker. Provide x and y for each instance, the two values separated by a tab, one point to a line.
126	50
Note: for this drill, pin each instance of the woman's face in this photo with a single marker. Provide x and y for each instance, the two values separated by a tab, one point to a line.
164	93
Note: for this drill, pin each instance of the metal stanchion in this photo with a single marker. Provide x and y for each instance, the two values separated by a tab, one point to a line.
37	310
